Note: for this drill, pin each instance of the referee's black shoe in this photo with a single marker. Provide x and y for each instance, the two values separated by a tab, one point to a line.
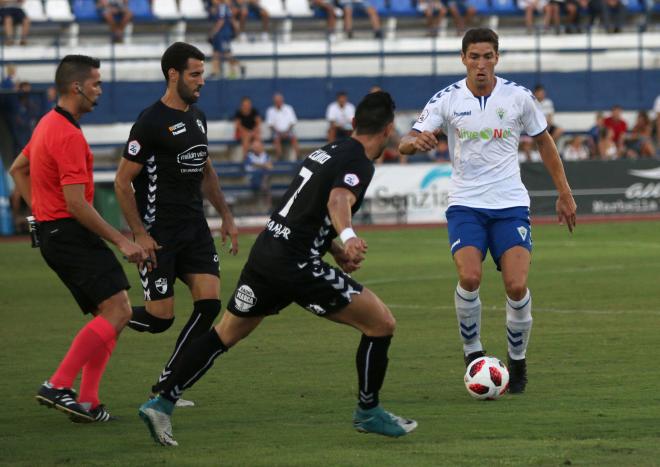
100	414
469	358
517	375
65	401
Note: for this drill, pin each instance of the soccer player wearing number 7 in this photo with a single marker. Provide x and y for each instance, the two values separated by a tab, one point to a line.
286	266
483	117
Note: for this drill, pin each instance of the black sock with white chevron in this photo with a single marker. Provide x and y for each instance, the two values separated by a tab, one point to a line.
371	362
194	362
201	319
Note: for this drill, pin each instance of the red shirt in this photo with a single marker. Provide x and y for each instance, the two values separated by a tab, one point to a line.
618	127
59	155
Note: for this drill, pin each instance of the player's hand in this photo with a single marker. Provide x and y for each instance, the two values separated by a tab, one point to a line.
425	141
355	250
133	252
566	208
229	229
150	245
344	262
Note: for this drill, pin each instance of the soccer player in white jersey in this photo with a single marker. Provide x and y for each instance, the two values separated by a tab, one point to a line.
483	117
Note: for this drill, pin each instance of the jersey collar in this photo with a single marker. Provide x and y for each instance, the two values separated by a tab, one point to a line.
67	115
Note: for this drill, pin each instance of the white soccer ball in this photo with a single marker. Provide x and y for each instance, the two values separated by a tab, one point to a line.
486	378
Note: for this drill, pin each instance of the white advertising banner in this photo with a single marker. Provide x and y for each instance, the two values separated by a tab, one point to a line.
414	193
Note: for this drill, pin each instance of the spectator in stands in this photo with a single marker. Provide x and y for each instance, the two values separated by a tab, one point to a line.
25	117
241	11
607	148
247	124
117	14
327	7
548	109
434	12
220	37
258	167
639	142
532	6
593	135
656	111
462	12
339	115
619	127
281	118
613	14
441	153
576	150
12	14
9	83
349	5
527	150
51	98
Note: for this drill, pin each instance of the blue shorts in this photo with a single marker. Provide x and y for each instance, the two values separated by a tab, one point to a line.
496	230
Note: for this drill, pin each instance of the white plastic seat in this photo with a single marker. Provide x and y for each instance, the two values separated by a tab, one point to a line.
34	9
193	9
299	8
275	8
165	9
59	10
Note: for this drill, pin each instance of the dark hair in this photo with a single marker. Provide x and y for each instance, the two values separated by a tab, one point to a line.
74	68
539	87
474	36
176	56
374	112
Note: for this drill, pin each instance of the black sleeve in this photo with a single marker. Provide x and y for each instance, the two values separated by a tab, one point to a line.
355	176
139	146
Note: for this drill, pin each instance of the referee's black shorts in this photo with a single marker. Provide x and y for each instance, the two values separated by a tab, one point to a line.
82	261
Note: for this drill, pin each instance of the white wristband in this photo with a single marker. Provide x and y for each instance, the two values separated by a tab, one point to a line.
347	234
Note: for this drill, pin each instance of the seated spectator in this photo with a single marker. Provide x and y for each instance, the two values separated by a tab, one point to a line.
339	115
441	153
618	126
656	111
281	118
639	142
527	151
391	152
9	83
607	148
220	37
241	11
117	14
12	14
434	12
613	15
364	5
593	135
548	109
533	6
25	116
576	150
462	12
247	124
258	167
327	7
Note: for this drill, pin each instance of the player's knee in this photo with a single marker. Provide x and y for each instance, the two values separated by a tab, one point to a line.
516	288
142	321
470	280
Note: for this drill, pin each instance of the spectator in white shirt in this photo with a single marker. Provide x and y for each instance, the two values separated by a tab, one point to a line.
281	118
576	150
656	110
548	109
339	115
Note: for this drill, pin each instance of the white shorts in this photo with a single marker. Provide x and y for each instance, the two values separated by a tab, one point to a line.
538	5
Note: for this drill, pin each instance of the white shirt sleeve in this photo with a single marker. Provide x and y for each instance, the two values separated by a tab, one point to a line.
432	117
329	112
656	105
270	117
532	118
292	113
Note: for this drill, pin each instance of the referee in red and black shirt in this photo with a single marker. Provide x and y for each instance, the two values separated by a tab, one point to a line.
54	174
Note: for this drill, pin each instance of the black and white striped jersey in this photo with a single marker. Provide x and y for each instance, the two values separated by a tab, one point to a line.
172	145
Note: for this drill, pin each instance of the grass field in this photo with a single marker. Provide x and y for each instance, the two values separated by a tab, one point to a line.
284	397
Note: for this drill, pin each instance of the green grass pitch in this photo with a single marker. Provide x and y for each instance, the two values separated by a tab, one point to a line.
284	397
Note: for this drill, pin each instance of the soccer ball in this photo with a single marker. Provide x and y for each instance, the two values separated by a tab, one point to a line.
486	378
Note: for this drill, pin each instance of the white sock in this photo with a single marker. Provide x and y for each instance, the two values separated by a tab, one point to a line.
518	325
468	313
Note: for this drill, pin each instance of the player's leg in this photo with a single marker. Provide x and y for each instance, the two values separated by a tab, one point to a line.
468	240
511	244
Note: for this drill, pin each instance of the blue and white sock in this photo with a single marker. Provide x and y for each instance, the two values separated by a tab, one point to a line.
468	313
518	325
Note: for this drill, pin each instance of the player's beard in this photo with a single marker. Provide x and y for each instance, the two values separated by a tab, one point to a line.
186	94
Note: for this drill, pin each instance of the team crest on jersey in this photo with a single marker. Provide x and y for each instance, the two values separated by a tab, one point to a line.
177	129
201	126
523	232
134	147
423	115
351	179
500	112
161	285
244	298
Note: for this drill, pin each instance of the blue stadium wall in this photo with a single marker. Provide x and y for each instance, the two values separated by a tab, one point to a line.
570	91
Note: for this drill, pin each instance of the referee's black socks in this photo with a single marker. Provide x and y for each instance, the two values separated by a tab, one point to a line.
371	362
195	361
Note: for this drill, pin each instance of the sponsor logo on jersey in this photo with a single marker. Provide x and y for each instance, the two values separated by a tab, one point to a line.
177	129
423	115
161	285
134	147
201	126
485	134
351	179
244	298
320	156
316	309
193	157
465	113
278	229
